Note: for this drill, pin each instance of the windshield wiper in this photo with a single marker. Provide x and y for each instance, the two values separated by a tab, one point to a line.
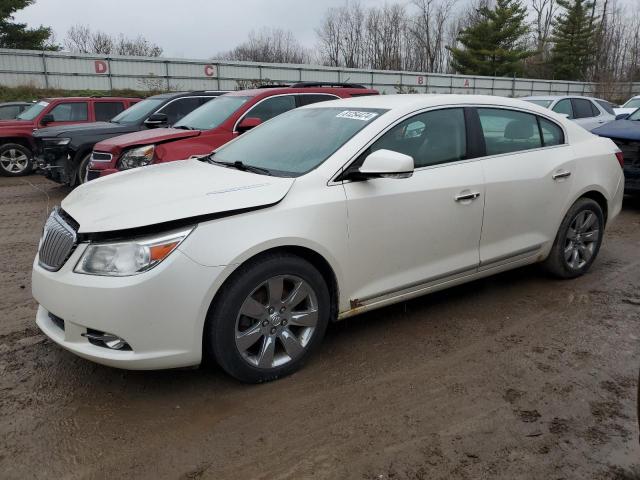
183	127
238	165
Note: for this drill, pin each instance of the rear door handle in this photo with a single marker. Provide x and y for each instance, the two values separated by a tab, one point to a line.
562	174
467	196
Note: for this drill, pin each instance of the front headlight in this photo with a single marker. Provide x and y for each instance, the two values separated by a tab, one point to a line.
136	157
56	141
123	259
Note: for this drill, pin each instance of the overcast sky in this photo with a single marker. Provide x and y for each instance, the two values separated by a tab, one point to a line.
187	28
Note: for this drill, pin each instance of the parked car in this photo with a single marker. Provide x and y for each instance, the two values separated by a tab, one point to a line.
10	110
212	125
626	135
17	144
64	152
629	107
322	213
588	112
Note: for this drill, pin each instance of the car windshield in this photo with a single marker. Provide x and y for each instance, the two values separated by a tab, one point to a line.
633	103
33	111
542	103
213	113
296	142
138	112
635	115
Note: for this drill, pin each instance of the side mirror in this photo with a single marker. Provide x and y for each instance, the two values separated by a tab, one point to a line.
157	120
48	118
622	116
386	164
248	123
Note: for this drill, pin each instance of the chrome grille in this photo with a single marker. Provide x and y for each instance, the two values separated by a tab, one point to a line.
58	242
101	157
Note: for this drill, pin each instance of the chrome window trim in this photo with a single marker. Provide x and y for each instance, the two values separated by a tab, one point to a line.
333	180
93	159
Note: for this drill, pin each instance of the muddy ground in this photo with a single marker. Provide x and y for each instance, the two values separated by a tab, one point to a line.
516	376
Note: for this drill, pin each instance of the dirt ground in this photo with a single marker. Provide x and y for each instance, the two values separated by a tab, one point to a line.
516	376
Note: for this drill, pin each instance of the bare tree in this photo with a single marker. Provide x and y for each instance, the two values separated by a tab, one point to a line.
81	39
268	45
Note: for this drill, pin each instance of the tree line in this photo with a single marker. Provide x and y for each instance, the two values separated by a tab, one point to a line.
583	40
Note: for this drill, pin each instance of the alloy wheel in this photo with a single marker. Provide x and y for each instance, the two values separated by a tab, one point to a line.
14	161
582	239
276	322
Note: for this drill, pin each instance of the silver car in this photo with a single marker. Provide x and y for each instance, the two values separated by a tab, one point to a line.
588	112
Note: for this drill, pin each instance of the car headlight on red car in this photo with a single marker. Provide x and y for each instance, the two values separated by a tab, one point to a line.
137	157
126	258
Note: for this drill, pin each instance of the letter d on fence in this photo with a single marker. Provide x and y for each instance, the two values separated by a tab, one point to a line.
101	66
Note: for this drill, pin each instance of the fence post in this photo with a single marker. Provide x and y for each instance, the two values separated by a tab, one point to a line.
108	59
44	70
166	72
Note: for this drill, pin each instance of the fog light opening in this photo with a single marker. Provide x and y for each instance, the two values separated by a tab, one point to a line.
106	340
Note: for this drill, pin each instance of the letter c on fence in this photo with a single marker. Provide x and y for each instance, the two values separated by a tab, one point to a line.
101	66
209	70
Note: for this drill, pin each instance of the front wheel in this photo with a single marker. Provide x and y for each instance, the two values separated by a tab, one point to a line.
268	318
578	240
83	166
15	160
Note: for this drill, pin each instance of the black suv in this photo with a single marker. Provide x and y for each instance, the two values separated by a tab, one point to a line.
64	152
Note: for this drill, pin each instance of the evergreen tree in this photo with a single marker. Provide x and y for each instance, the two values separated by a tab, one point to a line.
574	40
495	44
17	35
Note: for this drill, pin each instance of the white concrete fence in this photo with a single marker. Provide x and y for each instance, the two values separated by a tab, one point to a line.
97	72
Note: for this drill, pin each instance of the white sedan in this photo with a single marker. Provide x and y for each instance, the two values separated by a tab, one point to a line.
322	213
629	107
588	112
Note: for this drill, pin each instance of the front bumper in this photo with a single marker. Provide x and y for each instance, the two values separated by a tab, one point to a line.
92	174
159	313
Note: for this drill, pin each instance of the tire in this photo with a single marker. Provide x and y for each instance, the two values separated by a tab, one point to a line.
81	172
268	343
15	160
578	240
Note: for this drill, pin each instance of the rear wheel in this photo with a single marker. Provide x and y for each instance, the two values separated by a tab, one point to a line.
268	319
15	160
578	240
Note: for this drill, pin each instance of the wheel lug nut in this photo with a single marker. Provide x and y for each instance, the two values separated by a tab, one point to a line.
265	323
271	309
273	330
282	310
284	322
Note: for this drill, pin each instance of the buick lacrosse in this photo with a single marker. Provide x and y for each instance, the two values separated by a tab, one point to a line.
243	257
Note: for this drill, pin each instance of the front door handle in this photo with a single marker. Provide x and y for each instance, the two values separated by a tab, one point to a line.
561	174
465	197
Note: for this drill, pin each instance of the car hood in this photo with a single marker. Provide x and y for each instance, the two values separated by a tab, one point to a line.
95	128
15	123
145	137
623	129
167	192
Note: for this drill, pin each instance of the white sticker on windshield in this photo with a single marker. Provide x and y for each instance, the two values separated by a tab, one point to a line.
43	103
355	115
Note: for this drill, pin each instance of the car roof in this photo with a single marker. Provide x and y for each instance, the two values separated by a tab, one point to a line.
426	100
559	97
78	99
195	93
269	91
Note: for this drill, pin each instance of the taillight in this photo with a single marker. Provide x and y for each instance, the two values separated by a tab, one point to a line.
620	157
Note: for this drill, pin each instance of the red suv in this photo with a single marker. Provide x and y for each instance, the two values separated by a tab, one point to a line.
211	126
16	136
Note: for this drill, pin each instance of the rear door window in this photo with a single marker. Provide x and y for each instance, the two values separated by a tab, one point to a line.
178	109
508	131
552	134
607	107
70	112
564	107
582	108
105	111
